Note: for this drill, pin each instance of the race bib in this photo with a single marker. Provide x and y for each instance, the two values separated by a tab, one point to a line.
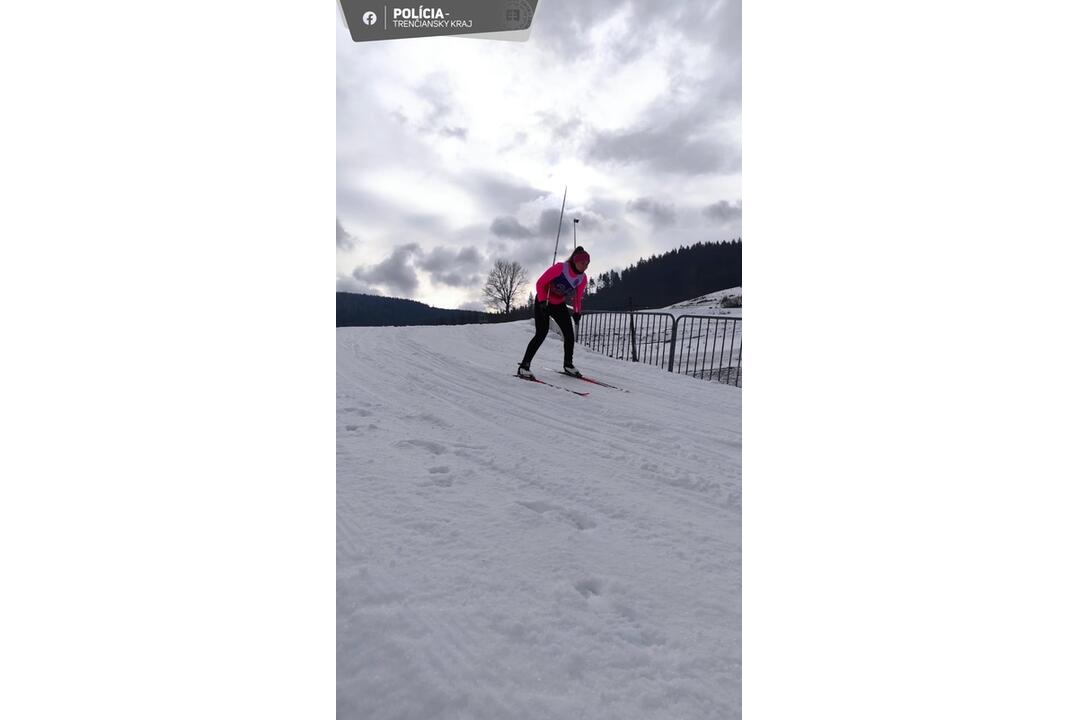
563	285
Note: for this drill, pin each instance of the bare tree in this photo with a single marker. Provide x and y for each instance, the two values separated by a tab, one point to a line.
505	281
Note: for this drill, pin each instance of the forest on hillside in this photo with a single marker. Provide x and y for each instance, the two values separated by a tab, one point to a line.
358	310
662	280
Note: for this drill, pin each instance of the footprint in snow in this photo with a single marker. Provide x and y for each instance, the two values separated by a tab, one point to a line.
354	428
432	447
572	517
441	475
601	600
429	419
588	588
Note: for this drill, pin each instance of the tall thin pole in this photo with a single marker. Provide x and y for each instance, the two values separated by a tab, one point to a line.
557	232
575	231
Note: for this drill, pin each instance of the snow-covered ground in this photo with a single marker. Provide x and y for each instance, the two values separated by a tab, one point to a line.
710	304
510	550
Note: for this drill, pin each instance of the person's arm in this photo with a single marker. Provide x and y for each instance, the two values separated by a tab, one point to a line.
580	294
542	283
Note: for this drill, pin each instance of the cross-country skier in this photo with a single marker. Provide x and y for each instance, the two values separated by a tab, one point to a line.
559	283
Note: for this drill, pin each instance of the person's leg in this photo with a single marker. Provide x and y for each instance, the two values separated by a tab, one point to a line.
542	324
562	317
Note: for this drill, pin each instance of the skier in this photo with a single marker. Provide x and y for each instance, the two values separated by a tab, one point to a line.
561	281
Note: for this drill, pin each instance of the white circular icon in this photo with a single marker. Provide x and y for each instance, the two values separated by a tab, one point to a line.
369	18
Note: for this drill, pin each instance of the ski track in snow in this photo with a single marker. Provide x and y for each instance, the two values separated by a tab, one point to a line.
506	550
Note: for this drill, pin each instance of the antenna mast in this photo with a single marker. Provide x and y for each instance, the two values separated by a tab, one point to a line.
557	232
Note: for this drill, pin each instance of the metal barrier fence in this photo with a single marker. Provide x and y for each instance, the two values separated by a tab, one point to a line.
702	346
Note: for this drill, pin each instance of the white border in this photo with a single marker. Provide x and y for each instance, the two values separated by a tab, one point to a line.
167	399
910	468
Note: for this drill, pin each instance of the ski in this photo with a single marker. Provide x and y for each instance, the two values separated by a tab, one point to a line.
559	387
589	380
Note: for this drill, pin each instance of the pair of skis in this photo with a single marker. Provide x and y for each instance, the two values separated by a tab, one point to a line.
576	392
588	380
545	382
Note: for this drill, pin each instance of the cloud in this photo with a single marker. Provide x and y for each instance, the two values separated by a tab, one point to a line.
509	227
659	214
678	146
690	128
533	245
547	228
532	254
590	220
565	32
356	207
549	222
500	193
561	126
395	272
724	211
538	255
454	267
400	272
345	241
443	258
571	39
425	223
349	284
438	107
514	142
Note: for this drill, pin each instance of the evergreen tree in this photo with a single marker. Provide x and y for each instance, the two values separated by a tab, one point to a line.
679	274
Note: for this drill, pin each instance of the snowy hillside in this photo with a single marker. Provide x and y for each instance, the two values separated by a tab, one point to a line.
710	304
510	550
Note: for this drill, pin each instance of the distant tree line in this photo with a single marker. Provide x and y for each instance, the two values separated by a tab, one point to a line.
662	280
357	310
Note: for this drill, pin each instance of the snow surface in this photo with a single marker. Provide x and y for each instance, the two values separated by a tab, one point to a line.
707	305
510	550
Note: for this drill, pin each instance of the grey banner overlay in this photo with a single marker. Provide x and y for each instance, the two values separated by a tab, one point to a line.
388	20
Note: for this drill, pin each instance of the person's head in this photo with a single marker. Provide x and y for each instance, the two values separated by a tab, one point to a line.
579	259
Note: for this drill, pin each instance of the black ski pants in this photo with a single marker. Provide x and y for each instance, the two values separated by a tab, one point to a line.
562	317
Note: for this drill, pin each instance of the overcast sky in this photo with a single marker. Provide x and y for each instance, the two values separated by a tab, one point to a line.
453	152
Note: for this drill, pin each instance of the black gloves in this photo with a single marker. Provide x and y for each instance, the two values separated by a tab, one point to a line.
577	319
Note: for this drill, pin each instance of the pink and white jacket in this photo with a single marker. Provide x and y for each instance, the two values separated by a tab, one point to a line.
560	282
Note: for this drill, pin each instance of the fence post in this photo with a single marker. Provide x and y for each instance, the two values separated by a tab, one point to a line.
674	337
